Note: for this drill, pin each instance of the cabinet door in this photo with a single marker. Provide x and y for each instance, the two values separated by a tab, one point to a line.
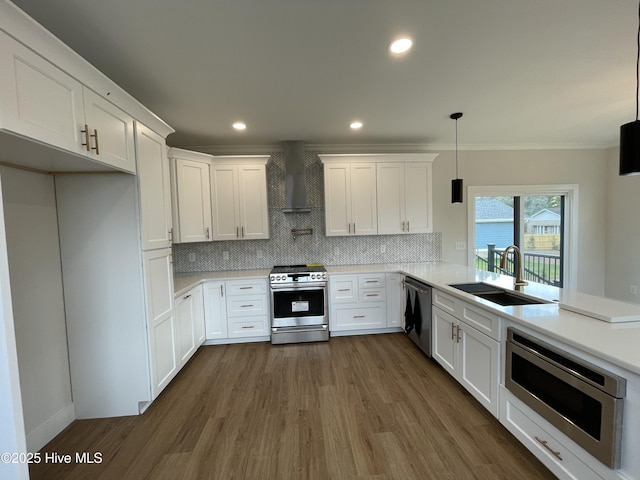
390	181
155	190
198	315
38	100
215	310
185	335
417	190
364	216
395	300
224	199
193	201
444	340
111	133
343	289
252	198
478	366
158	277
337	179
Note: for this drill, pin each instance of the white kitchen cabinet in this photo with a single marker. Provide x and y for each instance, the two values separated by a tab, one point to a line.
404	197
155	189
191	196
237	310
350	199
357	302
215	311
239	198
41	102
161	318
189	324
471	357
395	300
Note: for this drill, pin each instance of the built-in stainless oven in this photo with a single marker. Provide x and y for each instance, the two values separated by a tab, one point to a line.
580	399
298	304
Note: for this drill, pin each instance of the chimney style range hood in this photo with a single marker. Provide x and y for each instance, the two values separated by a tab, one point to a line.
295	189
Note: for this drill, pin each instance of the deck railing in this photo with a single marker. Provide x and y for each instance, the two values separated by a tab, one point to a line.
538	267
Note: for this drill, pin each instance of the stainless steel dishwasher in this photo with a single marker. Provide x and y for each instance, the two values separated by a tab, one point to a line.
417	314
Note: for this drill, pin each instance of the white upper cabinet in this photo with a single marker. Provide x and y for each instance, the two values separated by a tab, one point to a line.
350	198
191	196
155	189
404	197
239	198
373	194
41	102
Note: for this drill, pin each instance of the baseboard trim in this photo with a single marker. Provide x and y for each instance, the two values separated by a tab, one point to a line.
46	432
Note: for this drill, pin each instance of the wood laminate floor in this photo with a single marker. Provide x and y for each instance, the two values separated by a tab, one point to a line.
362	407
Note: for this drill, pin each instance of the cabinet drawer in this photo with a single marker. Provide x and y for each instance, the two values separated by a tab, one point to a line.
244	287
484	321
343	289
371	280
445	302
371	295
248	327
358	318
241	306
550	451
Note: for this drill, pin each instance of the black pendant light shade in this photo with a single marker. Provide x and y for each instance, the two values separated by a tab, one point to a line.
456	190
456	185
630	132
630	148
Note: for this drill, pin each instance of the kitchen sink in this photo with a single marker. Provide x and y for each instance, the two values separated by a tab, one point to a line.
498	295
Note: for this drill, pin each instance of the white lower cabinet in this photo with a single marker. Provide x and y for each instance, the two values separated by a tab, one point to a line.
236	309
357	302
395	300
470	356
189	323
553	452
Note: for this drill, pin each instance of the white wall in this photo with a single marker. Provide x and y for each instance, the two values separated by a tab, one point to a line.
622	254
38	308
587	168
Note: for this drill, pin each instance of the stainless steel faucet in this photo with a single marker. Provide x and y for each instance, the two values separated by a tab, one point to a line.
519	283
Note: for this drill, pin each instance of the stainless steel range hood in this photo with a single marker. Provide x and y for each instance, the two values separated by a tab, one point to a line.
295	189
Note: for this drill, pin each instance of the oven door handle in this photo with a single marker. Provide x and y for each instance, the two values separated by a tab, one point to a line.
306	286
299	329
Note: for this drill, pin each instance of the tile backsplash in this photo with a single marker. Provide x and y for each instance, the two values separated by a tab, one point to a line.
283	249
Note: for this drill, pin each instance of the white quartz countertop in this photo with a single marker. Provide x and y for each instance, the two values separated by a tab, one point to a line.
618	343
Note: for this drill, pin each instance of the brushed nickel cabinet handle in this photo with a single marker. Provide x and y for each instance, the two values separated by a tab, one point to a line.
86	137
372	295
186	296
453	331
248	326
546	445
458	334
344	289
221	291
408	228
171	236
359	316
237	232
246	306
246	288
207	232
95	137
242	231
354	228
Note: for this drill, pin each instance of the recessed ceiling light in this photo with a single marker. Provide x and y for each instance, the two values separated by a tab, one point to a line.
356	125
400	45
240	126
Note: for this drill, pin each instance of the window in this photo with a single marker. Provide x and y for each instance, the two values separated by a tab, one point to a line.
540	220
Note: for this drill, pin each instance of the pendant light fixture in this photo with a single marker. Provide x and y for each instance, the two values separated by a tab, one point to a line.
456	185
630	132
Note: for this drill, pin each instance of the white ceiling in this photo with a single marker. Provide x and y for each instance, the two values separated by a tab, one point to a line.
526	74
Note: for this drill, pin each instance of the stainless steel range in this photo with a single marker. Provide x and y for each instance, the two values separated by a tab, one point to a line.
299	304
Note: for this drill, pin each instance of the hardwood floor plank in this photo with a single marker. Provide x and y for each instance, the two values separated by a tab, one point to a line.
363	407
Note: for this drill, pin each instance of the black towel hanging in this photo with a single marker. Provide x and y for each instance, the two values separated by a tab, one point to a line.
408	315
417	315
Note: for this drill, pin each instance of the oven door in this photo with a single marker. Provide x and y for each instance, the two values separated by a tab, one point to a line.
297	306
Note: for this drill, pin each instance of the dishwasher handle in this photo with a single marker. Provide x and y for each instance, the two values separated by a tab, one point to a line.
422	289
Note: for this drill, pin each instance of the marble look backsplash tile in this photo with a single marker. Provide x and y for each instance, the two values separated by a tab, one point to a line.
283	249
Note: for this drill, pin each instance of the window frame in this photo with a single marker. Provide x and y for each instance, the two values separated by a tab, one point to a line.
571	235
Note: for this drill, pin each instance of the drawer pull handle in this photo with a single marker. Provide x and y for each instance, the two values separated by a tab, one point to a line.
372	295
86	137
246	306
186	296
344	289
453	331
359	316
246	288
247	326
95	137
458	334
546	445
372	281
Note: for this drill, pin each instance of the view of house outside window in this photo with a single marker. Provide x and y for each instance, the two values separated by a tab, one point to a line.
532	222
